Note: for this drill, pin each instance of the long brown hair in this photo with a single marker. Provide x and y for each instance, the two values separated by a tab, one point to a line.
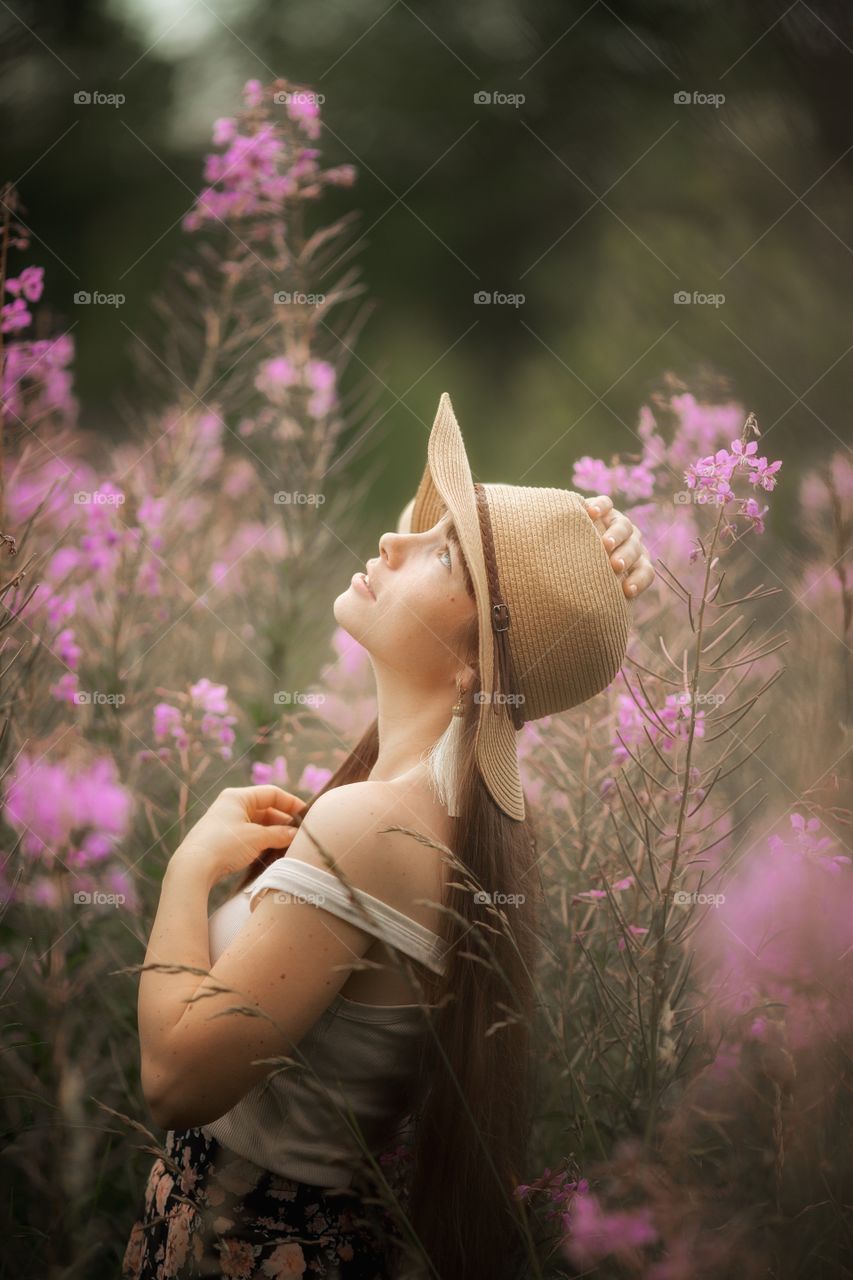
473	1097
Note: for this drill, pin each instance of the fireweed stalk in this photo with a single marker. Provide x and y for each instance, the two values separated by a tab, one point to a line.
711	475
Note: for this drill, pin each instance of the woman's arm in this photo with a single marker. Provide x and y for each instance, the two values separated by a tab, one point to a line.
179	936
237	825
207	1040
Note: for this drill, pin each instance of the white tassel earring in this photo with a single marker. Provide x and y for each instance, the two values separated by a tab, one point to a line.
444	758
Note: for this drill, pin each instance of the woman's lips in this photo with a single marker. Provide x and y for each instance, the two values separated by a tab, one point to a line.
360	583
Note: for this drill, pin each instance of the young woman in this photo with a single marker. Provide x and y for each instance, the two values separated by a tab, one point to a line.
385	990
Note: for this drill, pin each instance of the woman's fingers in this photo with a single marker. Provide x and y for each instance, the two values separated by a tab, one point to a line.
273	817
599	506
623	543
268	796
642	575
627	554
277	836
619	529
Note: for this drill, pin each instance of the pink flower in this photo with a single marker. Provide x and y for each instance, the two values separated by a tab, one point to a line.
212	697
253	93
15	316
313	778
275	772
224	131
50	806
595	1233
36	373
168	722
30	283
744	452
275	375
66	688
321	377
784	932
764	474
305	110
67	651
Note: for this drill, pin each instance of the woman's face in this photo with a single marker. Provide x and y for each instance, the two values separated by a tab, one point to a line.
417	606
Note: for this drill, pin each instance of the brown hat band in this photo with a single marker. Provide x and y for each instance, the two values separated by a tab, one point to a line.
504	675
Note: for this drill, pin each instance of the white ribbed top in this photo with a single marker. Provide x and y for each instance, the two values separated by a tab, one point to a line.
357	1058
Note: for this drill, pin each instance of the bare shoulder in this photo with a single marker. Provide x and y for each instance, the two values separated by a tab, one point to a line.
352	824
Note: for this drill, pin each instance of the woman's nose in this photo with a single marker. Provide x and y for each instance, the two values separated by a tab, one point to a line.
389	546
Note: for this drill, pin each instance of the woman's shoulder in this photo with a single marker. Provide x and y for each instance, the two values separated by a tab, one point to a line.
378	833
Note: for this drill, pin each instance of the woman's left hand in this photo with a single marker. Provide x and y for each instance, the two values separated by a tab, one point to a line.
623	543
239	825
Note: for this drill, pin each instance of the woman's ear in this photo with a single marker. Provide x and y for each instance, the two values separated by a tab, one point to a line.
467	678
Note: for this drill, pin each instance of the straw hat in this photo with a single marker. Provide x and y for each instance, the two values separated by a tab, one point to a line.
553	617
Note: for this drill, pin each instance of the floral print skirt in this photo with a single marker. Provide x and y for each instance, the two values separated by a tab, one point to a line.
207	1211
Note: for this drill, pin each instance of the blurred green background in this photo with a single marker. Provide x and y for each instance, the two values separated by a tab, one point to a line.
599	198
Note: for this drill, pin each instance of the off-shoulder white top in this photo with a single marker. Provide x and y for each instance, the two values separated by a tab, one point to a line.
358	1060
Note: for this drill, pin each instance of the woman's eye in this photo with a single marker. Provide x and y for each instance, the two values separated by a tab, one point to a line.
446	552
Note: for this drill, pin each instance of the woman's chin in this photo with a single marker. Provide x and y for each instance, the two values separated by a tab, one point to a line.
345	611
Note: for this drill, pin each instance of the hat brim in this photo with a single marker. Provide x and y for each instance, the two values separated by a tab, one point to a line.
447	485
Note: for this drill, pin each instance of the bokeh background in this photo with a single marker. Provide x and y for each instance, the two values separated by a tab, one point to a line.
583	185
